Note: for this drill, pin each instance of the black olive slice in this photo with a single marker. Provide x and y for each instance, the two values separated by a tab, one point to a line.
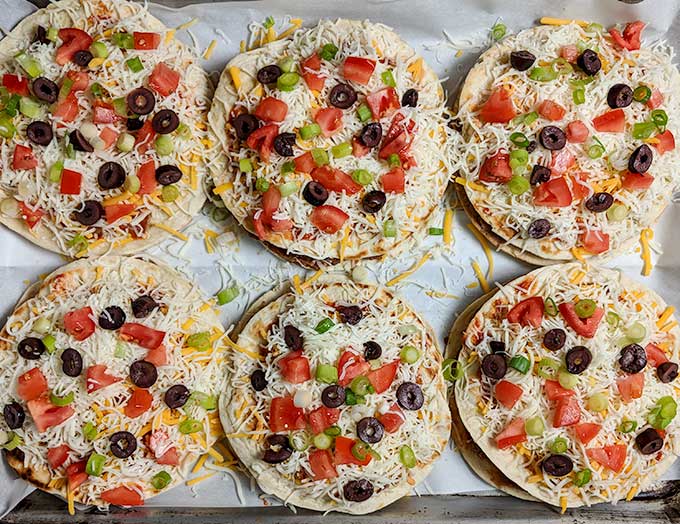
258	380
522	60
168	174
369	429
373	201
143	306
141	101
333	396
39	133
314	193
176	396
410	396
372	350
293	337
494	366
410	98
165	121
79	142
351	315
112	318
31	348
89	213
45	89
123	444
143	374
71	362
111	175
342	96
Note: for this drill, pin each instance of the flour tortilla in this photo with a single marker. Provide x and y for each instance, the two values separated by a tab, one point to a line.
65	13
495	230
227	98
246	335
506	462
57	284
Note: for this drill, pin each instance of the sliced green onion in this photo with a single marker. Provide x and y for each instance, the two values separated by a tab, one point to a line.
299	440
322	441
289	188
388	78
62	401
663	413
188	426
65	88
134	64
562	66
333	431
227	295
534	426
161	480
123	40
362	176
597	402
642	94
548	368
550	307
70	151
435	231
29	108
585	308
310	131
54	173
7	128
579	96
52	34
13	443
79	242
393	160
183	131
559	445
566	379
207	402
613	319
324	326
320	157
268	22
520	363
409	354
90	431
389	228
120	351
498	30
451	370
287	64
169	193
99	49
97	90
245	165
530	118
199	341
287	81
360	451
261	184
29	64
406	330
50	343
636	332
288	167
518	185
326	373
582	477
407	457
12	105
628	426
42	325
594	27
660	119
364	112
341	150
643	130
163	145
520	157
120	106
95	464
543	74
328	51
125	143
519	139
595	151
351	398
361	386
132	184
617	212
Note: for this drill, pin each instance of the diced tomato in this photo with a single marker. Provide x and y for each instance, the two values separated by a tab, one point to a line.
666	142
158	443
328	219
80	80
169	458
23	158
116	211
610	122
304	163
295	367
123	496
72	41
567	412
393	181
551	110
513	433
322	418
147	178
104	113
76	474
329	119
142	335
580	188
553	193
655	100
636	181
66	109
57	456
383	103
109	136
47	415
343	452
358	69
569	53
586	327
146	41
98	378
381	379
79	323
70	182
398	139
561	161
30	215
139	402
498	108
351	365
335	180
631	36
359	149
145	137
655	355
631	387
508	393
313	80
285	416
163	79
270	204
31	384
258	225
577	132
554	391
594	241
612	457
158	357
262	140
15	84
321	462
393	419
528	312
587	431
271	109
496	168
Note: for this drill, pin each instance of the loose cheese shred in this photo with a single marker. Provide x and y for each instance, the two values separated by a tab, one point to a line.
296	284
242	46
668	327
480	276
416	69
409	272
448	226
271	35
632	492
200	463
208	237
209	51
99	270
578	254
198	480
187	25
343	244
169	36
297	22
172	231
91	246
238	348
188	323
485	247
563	504
473	185
533	479
311	279
665	316
235	73
71	499
222	188
577	277
215	455
645	236
547	20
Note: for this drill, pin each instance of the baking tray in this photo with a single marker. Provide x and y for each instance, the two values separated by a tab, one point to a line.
661	505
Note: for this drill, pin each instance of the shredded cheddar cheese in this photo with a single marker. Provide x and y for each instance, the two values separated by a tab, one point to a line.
480	276
235	73
198	480
665	316
410	271
172	231
547	20
296	284
448	226
645	236
222	188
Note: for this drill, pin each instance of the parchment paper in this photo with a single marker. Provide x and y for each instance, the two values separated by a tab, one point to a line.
466	25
